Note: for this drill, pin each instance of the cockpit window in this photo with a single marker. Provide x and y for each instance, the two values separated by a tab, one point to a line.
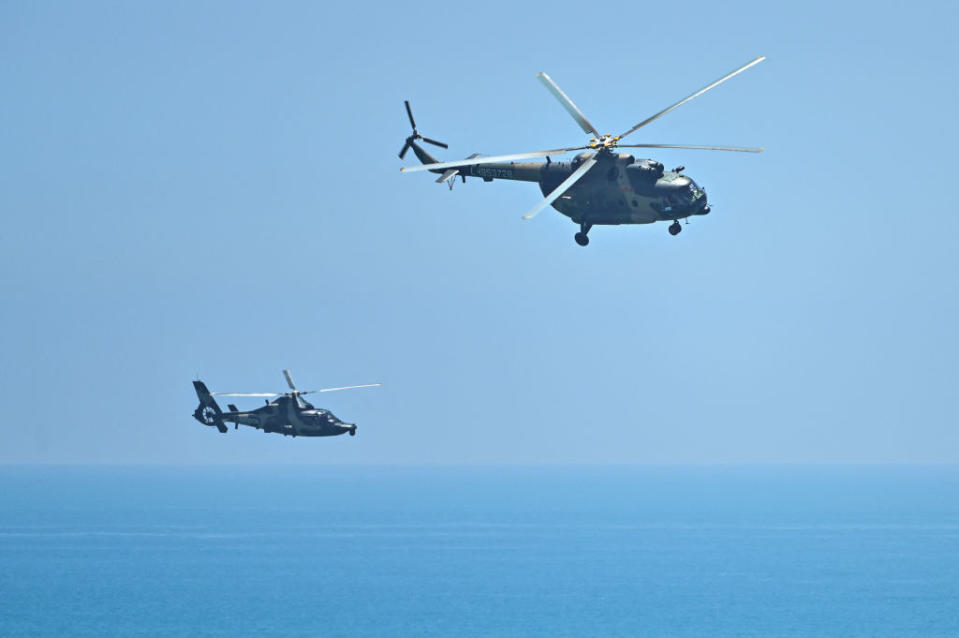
693	191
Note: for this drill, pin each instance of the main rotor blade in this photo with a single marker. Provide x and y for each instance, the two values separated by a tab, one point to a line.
739	149
471	161
348	387
562	188
694	95
246	394
567	103
409	112
289	380
406	147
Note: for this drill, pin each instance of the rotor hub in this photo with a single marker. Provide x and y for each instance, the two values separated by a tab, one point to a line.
604	143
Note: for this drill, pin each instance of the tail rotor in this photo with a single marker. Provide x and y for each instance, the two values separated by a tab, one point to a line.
416	134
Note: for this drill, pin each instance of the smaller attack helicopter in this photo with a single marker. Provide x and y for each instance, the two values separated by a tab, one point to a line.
599	186
288	413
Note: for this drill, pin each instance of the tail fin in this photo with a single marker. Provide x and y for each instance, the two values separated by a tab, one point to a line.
208	412
422	155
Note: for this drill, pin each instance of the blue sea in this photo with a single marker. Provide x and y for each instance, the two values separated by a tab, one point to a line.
487	551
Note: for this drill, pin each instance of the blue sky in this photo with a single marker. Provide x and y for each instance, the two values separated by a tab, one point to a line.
213	190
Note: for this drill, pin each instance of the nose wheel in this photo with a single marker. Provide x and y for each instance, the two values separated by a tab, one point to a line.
581	237
675	228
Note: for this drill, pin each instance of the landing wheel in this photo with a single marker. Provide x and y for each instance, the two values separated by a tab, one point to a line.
581	237
675	229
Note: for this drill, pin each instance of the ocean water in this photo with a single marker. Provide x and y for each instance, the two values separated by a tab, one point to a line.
499	551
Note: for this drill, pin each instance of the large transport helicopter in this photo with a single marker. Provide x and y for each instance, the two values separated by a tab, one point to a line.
597	187
288	413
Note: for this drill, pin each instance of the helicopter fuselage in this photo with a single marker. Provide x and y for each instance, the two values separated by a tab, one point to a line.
285	417
620	189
